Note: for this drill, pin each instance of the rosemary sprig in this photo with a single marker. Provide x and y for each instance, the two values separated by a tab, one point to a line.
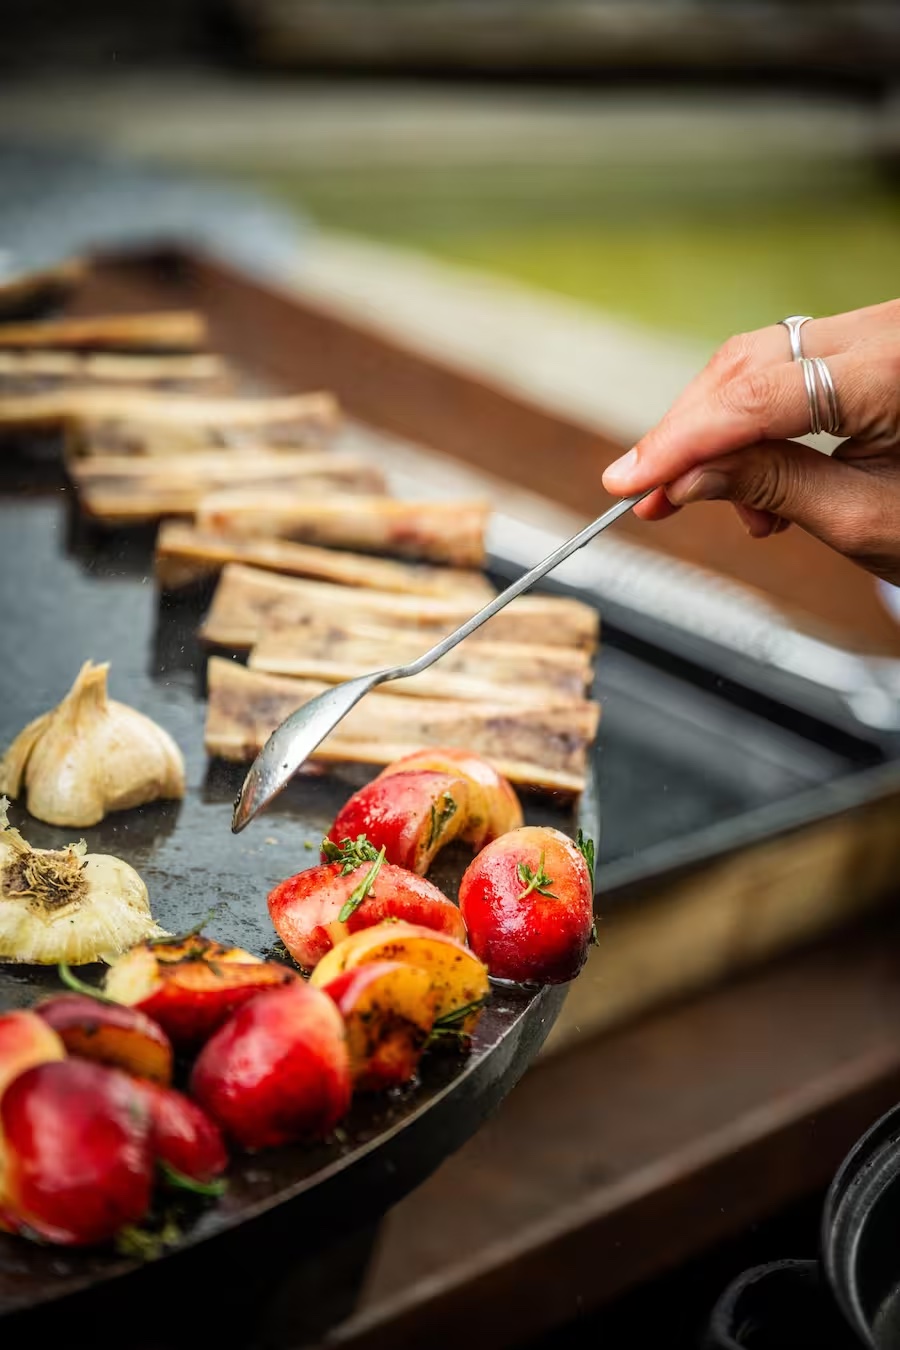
585	846
439	818
362	890
535	880
451	1024
351	852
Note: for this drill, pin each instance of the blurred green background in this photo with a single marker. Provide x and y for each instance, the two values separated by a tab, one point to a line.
702	249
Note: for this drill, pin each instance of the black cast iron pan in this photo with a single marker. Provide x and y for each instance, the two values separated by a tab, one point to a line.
64	598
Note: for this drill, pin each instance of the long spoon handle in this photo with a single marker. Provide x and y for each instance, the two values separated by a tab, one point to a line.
522	583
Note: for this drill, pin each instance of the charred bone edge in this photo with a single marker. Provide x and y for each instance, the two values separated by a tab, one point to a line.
249	602
245	707
724	613
167	331
450	532
186	555
134	425
112	492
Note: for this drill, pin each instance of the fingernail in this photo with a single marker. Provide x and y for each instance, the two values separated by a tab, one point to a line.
700	485
618	473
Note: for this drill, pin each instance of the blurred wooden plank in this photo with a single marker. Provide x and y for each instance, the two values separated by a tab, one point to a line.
861	38
625	1155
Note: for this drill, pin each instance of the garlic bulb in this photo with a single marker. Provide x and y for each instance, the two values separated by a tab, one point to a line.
91	755
67	904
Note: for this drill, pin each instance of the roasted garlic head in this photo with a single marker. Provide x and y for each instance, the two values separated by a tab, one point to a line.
67	904
89	756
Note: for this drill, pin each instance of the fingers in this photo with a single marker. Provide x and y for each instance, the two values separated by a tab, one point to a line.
853	508
767	403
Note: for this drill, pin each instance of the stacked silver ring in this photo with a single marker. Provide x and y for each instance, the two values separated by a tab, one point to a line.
815	375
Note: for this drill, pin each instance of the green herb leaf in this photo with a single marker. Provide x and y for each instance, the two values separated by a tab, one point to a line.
351	852
147	1244
595	941
535	881
182	1183
439	817
358	896
585	847
450	1025
81	986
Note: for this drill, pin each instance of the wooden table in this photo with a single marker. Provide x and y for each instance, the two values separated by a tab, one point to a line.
621	1157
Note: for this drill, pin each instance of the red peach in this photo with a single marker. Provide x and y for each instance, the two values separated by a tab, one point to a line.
305	909
278	1070
494	807
183	1135
76	1163
25	1040
527	901
411	815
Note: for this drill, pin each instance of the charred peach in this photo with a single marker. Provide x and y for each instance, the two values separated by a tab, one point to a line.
110	1033
493	807
191	985
388	1009
458	978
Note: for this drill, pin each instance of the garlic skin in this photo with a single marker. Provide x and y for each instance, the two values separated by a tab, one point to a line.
67	904
91	755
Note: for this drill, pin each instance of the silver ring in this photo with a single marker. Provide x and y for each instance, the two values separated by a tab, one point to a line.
807	365
793	324
834	420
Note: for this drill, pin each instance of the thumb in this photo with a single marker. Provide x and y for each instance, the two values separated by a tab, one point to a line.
840	502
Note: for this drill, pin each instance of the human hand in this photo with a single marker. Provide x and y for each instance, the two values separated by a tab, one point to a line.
725	439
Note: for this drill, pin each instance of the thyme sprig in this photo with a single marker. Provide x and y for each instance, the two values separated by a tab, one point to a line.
362	890
535	880
351	852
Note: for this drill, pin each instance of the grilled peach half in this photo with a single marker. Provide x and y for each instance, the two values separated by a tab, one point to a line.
191	985
458	978
110	1033
493	807
388	1009
411	815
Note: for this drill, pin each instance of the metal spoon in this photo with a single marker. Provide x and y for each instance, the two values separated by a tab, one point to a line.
297	737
